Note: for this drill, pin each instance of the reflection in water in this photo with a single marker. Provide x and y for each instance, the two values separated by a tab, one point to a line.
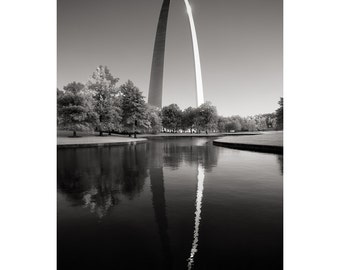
280	160
189	152
106	211
96	178
199	197
158	200
159	206
99	202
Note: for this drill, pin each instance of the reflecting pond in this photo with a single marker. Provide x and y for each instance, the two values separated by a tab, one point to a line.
177	203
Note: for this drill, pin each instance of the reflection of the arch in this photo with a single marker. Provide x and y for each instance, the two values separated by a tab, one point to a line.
193	152
159	206
199	197
95	178
158	200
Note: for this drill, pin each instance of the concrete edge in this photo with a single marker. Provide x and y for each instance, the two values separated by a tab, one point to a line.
84	145
274	149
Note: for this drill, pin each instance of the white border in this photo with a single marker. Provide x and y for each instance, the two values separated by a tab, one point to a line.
28	152
311	87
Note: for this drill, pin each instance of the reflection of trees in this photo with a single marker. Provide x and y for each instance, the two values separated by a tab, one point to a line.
95	177
133	170
172	155
98	178
189	151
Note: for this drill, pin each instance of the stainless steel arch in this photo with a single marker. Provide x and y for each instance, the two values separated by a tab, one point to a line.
156	78
198	71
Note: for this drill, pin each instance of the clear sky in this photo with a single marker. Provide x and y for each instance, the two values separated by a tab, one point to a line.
240	44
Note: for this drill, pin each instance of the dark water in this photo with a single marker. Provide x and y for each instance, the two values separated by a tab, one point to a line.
169	204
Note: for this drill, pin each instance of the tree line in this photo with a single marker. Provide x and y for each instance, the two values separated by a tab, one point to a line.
100	105
205	118
260	122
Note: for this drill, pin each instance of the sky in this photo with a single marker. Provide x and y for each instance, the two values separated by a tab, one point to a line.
240	43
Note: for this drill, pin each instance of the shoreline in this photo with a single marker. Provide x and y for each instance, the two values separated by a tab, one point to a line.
252	147
96	141
201	135
265	143
252	141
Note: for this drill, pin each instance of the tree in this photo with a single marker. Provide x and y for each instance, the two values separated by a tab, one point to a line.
230	126
106	102
238	125
261	123
270	119
59	92
154	118
188	118
207	116
134	117
222	124
279	115
232	123
75	108
172	117
251	123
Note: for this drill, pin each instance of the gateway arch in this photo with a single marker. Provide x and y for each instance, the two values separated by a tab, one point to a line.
157	68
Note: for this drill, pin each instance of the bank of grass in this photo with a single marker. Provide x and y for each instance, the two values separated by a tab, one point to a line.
64	133
87	139
271	142
84	139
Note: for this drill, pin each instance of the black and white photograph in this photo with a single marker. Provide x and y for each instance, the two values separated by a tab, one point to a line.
169	135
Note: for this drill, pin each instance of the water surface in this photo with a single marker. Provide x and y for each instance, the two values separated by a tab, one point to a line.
178	203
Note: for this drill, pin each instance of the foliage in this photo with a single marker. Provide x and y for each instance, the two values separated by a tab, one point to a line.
189	118
221	123
279	115
134	110
102	106
154	118
235	123
59	92
74	108
106	102
229	124
172	117
207	117
252	124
